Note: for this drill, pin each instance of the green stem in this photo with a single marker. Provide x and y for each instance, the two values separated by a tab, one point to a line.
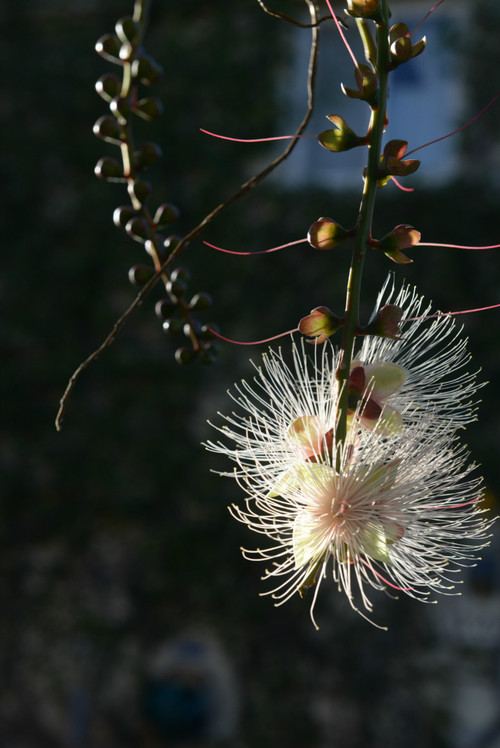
363	229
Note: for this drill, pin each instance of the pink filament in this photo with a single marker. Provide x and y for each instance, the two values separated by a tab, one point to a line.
342	35
426	17
400	186
458	246
255	140
259	252
385	581
476	116
254	342
451	314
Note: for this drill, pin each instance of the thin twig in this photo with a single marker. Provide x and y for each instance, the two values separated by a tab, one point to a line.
246	187
285	17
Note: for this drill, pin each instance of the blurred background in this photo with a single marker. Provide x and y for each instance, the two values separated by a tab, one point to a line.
128	615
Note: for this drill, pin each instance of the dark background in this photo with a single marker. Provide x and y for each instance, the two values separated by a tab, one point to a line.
115	539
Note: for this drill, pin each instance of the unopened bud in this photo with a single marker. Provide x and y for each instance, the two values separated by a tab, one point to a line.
325	233
367	83
364	9
386	323
401	46
320	324
392	160
401	237
342	138
137	228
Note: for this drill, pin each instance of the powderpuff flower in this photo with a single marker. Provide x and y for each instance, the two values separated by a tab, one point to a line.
431	357
291	408
396	506
400	512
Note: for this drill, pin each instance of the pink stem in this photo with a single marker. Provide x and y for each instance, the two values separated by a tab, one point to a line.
259	252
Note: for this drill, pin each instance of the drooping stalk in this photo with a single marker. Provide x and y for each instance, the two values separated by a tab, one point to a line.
364	223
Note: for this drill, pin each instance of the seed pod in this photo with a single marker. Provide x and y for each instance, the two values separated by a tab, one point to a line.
107	128
180	273
108	86
149	109
173	326
109	169
200	301
147	70
108	47
164	308
139	190
127	29
137	228
165	214
122	215
139	275
184	355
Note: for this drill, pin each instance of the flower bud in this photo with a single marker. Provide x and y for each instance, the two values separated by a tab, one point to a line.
139	275
109	169
149	109
401	47
392	162
154	247
341	139
386	323
325	233
401	237
108	47
108	86
367	86
364	9
107	128
320	324
165	214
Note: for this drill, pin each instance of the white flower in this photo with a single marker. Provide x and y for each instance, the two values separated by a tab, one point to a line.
400	509
434	357
402	512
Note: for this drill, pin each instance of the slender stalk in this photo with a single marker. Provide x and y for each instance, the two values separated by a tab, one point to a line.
364	225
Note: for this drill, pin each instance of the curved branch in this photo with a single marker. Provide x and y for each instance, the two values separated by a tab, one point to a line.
246	187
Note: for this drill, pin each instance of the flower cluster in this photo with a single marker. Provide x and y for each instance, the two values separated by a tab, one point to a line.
393	506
